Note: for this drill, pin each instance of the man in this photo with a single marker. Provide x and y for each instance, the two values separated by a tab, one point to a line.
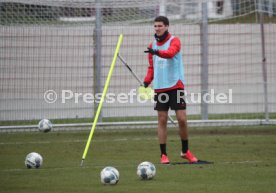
167	73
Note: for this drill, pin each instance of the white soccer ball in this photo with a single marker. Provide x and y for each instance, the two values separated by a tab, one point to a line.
110	175
45	125
146	170
33	160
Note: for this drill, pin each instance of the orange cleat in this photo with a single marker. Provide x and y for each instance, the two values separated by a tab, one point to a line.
189	156
164	159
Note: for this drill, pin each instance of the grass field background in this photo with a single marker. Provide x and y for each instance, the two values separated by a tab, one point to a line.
244	161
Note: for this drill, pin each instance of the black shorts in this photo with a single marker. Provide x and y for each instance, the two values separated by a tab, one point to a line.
173	99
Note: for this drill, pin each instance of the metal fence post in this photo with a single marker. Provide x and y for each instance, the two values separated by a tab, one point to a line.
204	59
98	55
264	69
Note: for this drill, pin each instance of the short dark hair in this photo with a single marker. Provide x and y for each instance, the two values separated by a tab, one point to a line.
163	19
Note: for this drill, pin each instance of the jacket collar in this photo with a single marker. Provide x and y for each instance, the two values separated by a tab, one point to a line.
160	43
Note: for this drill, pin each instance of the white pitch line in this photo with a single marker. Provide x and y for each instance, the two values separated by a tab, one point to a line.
22	143
94	140
243	162
76	141
64	168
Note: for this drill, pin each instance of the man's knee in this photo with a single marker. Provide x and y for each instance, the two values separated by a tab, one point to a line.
163	117
181	117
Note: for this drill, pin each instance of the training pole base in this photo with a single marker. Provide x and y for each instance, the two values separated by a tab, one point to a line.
81	163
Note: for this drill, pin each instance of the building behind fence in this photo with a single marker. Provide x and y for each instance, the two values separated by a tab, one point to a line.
64	49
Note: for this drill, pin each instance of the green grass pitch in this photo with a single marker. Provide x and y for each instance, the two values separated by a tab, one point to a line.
244	161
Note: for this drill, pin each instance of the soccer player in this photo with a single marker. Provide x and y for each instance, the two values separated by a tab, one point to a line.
167	73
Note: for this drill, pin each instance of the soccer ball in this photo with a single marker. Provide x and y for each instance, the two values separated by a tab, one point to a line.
33	160
45	125
110	175
146	170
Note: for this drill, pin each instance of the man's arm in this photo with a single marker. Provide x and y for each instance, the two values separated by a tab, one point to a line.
149	77
174	48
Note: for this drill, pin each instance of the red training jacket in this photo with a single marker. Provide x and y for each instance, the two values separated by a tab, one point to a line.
174	48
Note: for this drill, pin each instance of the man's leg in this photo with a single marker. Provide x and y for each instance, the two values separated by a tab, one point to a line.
162	135
183	129
162	126
182	122
183	133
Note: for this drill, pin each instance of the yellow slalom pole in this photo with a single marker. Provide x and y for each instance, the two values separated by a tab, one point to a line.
102	98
